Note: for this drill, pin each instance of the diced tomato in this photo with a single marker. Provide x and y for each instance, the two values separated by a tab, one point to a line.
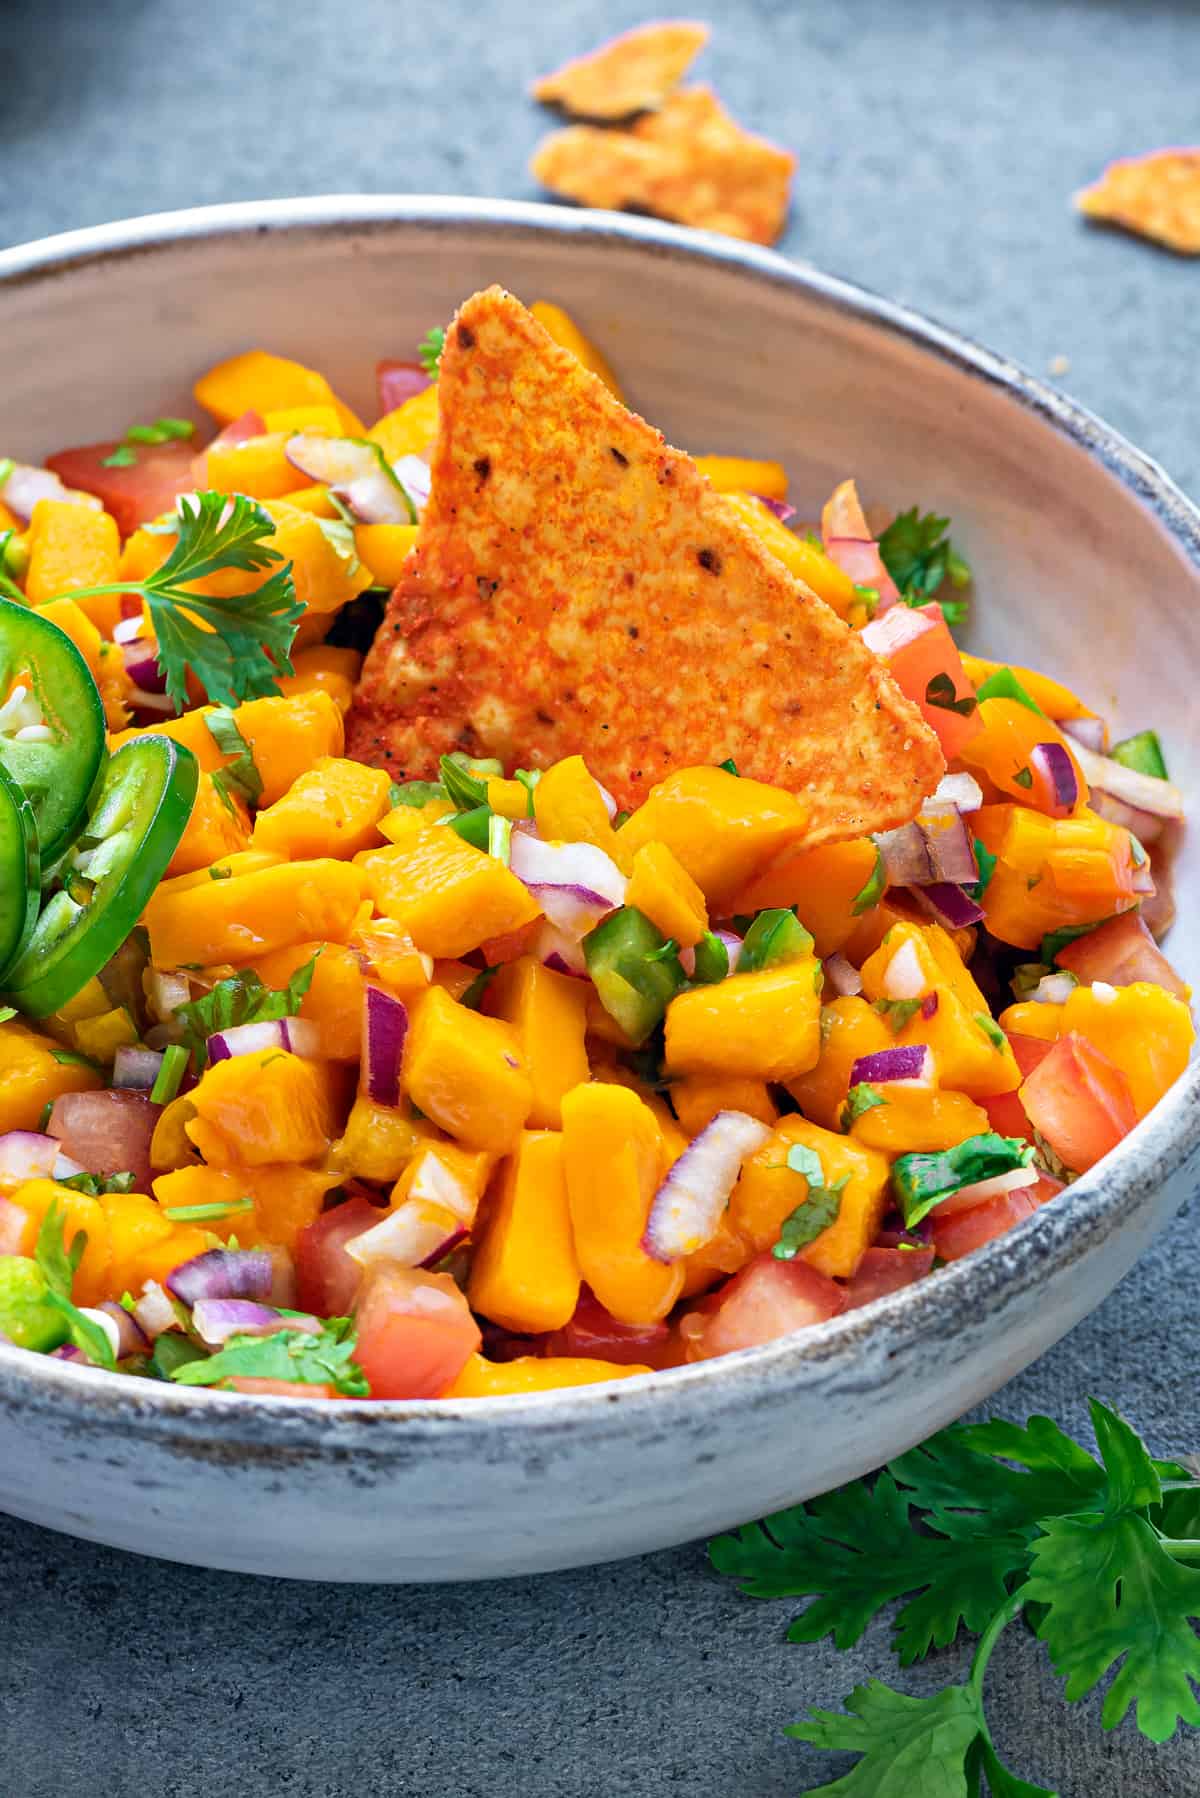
107	1133
134	495
595	1331
766	1300
327	1279
1079	1102
923	659
965	1231
496	950
1006	1113
886	1270
239	430
1121	952
415	1333
397	382
280	1388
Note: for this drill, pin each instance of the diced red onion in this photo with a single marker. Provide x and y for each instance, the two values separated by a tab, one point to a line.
903	978
687	1207
929	1005
1054	989
27	1155
575	884
610	804
128	632
967	1197
216	1320
131	1338
143	667
860	559
398	381
687	961
222	1274
949	904
66	1351
384	1029
295	1035
733	947
142	700
843	976
555	949
415	1234
356	472
23	486
1054	764
1147	827
934	848
1143	792
1091	732
413	474
136	1068
909	1064
960	790
166	993
782	510
154	1311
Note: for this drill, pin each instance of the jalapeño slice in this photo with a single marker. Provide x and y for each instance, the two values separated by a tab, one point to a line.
131	833
20	871
51	724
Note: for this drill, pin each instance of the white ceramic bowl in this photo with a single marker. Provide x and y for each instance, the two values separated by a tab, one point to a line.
1088	564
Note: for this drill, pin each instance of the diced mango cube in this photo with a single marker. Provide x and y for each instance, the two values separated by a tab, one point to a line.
548	1012
524	1274
449	896
764	1025
466	1072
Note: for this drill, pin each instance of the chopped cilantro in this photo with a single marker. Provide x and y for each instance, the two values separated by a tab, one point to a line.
860	1098
242	999
57	1265
97	1184
898	1012
986	862
920	558
941	692
1024	777
305	1359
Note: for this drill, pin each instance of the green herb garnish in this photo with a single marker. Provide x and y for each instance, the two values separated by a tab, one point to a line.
306	1359
239	778
429	351
241	999
921	1181
97	1184
920	558
875	887
1003	684
986	863
860	1098
57	1264
940	692
199	1214
897	1012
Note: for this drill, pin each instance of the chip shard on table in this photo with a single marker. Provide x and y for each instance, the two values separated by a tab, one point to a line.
1156	196
578	587
632	73
690	162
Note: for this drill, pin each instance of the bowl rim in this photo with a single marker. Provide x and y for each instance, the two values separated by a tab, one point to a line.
1157	1149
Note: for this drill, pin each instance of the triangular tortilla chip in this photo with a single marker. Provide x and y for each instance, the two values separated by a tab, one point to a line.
578	587
690	162
1158	196
632	73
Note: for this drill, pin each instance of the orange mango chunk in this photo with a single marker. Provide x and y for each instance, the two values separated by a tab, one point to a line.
768	1190
1052	872
73	546
323	668
849	1029
333	808
1145	1031
666	893
256	465
379	1141
742	474
266	1106
385	548
916	1119
821	884
286	736
798	555
566	333
334	1000
234	920
257	381
764	1025
568	807
524	1274
534	1373
697	1098
31	1078
216	829
80	1212
411	428
286	1199
723	830
548	1012
447	895
466	1073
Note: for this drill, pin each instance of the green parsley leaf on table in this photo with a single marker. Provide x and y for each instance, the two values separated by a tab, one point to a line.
241	999
236	646
302	1357
920	558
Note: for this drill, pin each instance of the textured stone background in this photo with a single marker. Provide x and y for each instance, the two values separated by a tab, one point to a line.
939	142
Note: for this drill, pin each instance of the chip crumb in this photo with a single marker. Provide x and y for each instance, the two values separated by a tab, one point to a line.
1157	196
632	73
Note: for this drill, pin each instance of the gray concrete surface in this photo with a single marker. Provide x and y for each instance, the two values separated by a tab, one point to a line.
939	143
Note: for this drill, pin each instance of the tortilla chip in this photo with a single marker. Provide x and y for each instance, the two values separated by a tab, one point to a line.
632	73
1158	196
578	587
690	162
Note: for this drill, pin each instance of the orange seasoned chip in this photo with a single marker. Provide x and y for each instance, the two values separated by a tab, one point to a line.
1157	195
690	162
634	72
579	587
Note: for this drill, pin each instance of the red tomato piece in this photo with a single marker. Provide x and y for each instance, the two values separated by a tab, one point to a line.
886	1270
327	1279
766	1300
595	1331
922	657
1121	952
397	382
239	430
134	495
280	1388
415	1333
1079	1102
107	1133
965	1231
1006	1114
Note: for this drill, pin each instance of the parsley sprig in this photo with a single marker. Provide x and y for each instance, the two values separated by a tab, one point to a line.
241	999
237	644
305	1358
920	558
978	1525
57	1265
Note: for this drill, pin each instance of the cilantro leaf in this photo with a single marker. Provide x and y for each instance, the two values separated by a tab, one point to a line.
986	863
908	1745
57	1265
97	1184
920	558
429	350
241	999
239	777
897	1012
235	645
941	692
415	793
463	785
296	1355
815	1213
873	889
860	1098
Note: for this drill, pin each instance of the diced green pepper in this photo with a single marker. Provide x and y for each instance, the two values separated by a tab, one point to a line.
1143	753
1003	684
473	826
27	1315
635	973
775	936
712	960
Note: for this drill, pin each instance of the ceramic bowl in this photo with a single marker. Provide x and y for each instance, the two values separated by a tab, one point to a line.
1087	562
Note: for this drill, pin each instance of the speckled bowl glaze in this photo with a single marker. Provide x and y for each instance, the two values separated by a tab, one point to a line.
1088	563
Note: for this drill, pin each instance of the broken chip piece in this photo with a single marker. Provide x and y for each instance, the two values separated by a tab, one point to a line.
1156	195
632	73
690	162
579	587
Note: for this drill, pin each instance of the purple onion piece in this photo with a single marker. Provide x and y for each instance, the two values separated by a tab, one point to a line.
136	1069
911	1063
733	947
132	1339
1054	764
27	1155
687	1207
296	1035
68	1352
843	976
949	904
929	1005
216	1320
1091	732
384	1029
780	507
222	1274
